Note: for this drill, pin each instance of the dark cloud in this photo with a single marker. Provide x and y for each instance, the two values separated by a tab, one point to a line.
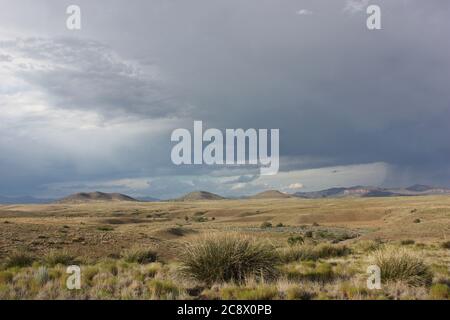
340	94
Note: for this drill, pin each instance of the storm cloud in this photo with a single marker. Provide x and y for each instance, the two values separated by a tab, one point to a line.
95	107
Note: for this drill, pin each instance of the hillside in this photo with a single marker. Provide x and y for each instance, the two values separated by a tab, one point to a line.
95	196
270	194
199	195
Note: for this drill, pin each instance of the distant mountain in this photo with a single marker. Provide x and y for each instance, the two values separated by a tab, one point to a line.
147	199
199	195
362	191
24	200
270	194
95	196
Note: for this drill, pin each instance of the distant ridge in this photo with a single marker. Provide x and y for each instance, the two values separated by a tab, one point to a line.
270	194
363	191
199	195
95	196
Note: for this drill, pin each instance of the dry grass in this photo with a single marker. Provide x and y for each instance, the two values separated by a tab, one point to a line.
102	238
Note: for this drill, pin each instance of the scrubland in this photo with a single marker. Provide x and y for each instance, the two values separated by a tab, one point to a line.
228	249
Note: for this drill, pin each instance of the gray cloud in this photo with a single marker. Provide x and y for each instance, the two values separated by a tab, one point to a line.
341	95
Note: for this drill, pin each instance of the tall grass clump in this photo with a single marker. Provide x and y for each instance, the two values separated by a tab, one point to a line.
140	255
56	257
305	252
19	259
399	264
215	259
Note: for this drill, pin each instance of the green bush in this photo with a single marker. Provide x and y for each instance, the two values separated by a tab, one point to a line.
399	264
228	257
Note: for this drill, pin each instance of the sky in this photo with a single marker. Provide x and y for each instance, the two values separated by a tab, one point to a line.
93	109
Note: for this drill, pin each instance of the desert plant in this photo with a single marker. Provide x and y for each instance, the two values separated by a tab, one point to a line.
417	221
140	255
399	264
228	258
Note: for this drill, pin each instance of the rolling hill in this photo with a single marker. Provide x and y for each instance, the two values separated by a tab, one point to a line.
95	196
271	194
199	195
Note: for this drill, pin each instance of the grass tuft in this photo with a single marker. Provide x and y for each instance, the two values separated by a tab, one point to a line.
400	264
215	259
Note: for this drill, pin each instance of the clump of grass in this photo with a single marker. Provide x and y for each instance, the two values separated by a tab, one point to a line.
140	255
298	293
163	289
310	252
402	265
417	221
294	240
55	257
19	259
407	242
439	291
42	275
215	259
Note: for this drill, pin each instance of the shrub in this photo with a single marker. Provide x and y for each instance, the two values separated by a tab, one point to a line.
280	225
59	257
266	225
439	291
417	221
140	255
407	242
19	259
402	265
228	258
